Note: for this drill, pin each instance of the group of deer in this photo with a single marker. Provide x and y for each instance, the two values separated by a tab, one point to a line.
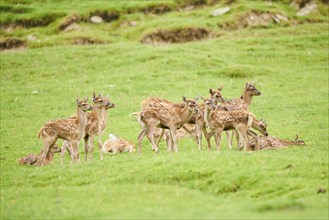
213	114
81	125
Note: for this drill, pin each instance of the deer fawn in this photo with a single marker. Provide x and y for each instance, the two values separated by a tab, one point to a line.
241	103
164	117
36	159
116	145
71	129
218	120
268	142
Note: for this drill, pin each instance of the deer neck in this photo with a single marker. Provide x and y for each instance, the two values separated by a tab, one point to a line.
81	119
246	97
287	143
207	116
104	118
185	114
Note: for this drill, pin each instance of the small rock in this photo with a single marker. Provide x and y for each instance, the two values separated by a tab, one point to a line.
96	20
31	37
220	11
307	9
72	27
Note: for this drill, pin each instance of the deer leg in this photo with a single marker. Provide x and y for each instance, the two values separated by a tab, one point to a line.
74	144
218	136
63	149
140	139
159	138
229	139
48	143
91	146
174	138
168	140
207	136
85	146
199	134
196	138
154	146
100	144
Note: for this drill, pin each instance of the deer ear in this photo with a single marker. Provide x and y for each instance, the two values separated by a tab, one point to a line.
201	98
184	98
77	100
86	99
107	96
94	95
296	138
211	92
247	84
196	98
220	88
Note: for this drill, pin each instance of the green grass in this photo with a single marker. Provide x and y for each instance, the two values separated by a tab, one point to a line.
289	66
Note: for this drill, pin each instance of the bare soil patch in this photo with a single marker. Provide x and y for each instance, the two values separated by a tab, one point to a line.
11	43
157	9
86	41
75	18
180	35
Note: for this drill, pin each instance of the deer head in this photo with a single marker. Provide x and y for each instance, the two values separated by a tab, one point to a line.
251	89
209	103
83	104
253	144
191	103
99	101
298	141
109	104
217	94
262	127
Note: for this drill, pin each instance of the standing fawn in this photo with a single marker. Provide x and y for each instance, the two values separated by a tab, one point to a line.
241	103
71	129
36	159
268	142
164	117
218	120
154	102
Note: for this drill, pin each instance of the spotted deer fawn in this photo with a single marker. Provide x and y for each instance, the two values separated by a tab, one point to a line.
269	142
71	130
218	120
241	103
94	126
116	145
164	117
37	160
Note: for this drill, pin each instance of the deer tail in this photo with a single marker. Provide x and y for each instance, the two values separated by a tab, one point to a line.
139	118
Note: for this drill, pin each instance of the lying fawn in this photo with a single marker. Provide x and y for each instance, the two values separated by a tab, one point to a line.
218	120
241	103
268	142
37	160
71	129
164	117
116	145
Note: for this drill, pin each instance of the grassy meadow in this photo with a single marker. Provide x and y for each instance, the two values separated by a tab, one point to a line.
288	63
